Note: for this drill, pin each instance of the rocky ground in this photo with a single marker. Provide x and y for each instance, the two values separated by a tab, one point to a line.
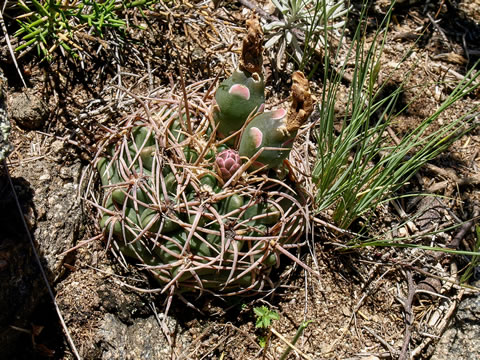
359	309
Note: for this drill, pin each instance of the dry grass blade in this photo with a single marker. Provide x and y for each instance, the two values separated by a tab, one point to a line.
10	48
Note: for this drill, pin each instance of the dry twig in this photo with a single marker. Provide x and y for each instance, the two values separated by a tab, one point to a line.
408	315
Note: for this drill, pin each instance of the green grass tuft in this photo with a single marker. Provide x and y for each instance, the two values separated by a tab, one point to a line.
358	167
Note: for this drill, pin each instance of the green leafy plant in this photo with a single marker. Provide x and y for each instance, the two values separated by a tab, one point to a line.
303	27
49	24
358	167
264	316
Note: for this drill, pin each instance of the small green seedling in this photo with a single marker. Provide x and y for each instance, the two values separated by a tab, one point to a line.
264	318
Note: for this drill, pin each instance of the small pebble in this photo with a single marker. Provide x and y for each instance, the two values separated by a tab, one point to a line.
402	232
44	177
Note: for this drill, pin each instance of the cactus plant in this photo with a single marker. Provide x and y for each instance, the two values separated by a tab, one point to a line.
237	97
187	231
168	203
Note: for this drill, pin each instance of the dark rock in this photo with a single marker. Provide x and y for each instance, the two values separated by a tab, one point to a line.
52	212
21	286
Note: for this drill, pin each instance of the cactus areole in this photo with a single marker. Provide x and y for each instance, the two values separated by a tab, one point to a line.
168	200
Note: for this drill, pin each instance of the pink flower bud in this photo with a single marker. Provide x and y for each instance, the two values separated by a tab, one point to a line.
227	162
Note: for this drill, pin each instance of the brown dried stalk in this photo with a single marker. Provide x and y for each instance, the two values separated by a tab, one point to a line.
302	102
251	59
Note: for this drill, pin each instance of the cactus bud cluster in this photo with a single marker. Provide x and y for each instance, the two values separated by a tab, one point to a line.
240	102
271	134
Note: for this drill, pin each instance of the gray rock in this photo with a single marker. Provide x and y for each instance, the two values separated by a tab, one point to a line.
469	311
57	211
27	109
461	341
108	321
142	340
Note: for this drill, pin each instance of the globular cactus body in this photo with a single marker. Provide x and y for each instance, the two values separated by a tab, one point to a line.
151	210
